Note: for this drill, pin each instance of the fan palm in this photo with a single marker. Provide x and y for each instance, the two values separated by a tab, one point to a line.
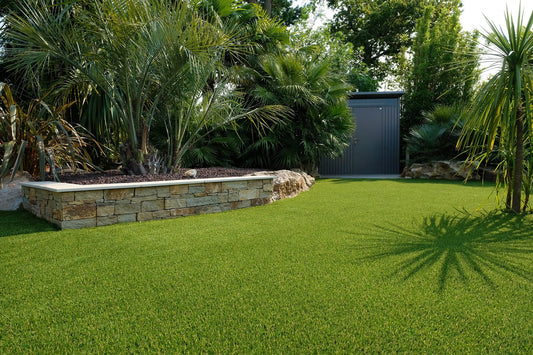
321	123
502	107
138	53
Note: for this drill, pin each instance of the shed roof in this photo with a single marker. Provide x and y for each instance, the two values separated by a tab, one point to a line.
376	94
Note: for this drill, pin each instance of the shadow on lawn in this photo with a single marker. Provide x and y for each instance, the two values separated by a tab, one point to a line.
462	244
22	222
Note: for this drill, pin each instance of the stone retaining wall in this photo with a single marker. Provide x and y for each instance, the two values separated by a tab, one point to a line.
79	206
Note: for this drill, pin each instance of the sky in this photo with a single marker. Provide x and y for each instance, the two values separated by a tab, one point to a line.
474	10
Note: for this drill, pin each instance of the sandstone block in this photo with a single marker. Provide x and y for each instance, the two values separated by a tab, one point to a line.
145	191
233	196
208	209
105	210
127	208
85	211
67	196
161	214
126	218
41	195
150	206
78	223
248	194
57	215
182	212
179	189
145	216
106	221
197	189
118	194
230	185
267	187
163	191
171	203
32	195
255	184
201	201
213	187
89	196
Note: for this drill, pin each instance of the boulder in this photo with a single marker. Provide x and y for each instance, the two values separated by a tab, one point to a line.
443	170
191	173
10	192
288	183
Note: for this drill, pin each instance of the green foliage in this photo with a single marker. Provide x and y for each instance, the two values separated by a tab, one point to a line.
443	70
345	61
502	109
38	135
320	123
285	12
136	53
381	29
436	138
313	274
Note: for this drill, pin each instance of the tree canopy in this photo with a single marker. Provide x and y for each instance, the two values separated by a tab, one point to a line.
443	68
381	29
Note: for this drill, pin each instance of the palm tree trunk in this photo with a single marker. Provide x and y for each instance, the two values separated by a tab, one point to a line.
268	6
509	199
518	163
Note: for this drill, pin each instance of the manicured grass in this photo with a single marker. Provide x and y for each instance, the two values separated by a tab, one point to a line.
351	266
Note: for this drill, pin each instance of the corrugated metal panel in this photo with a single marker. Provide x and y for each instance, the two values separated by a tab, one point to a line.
375	147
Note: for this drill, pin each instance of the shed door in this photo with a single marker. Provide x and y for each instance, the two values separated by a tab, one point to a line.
374	148
366	145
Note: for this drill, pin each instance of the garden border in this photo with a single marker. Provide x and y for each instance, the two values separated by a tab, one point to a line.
71	206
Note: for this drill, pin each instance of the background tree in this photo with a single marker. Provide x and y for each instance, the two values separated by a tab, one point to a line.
502	110
381	29
345	61
443	69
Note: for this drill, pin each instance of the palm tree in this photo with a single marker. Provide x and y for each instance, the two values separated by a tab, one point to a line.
502	108
137	53
320	124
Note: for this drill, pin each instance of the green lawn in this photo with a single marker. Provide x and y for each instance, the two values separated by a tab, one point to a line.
351	266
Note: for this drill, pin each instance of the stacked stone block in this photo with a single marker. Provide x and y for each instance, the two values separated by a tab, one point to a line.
72	206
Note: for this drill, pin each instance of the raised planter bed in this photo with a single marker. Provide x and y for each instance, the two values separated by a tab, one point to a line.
79	206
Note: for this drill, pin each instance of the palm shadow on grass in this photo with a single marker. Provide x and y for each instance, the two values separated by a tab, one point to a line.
470	246
22	222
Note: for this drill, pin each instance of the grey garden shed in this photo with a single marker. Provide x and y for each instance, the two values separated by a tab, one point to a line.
375	146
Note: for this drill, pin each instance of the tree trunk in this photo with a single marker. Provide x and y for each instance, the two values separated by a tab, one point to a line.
518	162
268	6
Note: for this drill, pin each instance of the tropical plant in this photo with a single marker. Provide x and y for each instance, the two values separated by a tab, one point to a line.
436	138
135	53
37	137
320	124
502	109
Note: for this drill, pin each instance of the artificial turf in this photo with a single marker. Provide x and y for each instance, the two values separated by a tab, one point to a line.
350	266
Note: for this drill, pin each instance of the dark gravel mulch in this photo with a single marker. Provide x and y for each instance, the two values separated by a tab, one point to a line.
116	176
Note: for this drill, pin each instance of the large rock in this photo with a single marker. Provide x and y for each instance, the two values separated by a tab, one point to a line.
444	170
288	183
10	192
